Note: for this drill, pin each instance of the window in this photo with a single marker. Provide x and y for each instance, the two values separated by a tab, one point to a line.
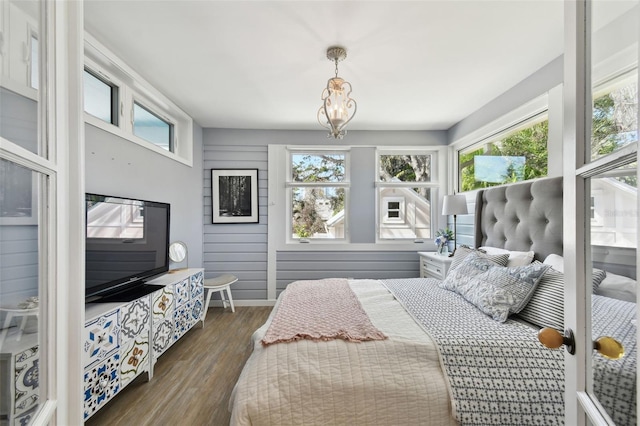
515	155
405	194
113	90
152	128
318	186
100	98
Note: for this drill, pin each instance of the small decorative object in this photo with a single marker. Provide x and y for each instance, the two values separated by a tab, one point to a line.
234	196
443	236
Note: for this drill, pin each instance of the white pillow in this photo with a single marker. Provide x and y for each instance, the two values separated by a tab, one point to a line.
516	258
555	261
618	287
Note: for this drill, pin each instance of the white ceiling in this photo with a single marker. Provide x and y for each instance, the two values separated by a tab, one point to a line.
414	65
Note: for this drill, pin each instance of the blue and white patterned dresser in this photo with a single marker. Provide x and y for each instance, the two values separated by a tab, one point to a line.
124	340
19	366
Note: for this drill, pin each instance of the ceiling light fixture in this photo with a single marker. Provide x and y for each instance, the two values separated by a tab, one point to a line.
337	106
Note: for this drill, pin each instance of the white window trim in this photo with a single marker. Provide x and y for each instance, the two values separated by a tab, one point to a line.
437	185
289	184
278	172
132	87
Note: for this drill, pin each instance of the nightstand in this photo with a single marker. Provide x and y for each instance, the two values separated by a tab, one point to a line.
433	265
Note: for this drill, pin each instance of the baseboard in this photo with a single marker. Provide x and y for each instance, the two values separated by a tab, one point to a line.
243	302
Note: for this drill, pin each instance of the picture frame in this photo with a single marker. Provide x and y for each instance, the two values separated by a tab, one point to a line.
234	196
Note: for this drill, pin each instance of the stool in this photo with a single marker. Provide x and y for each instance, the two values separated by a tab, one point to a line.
16	312
221	283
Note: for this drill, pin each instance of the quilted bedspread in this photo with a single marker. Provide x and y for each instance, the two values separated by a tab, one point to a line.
397	381
499	373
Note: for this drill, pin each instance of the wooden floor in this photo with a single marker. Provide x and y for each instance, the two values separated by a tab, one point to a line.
193	380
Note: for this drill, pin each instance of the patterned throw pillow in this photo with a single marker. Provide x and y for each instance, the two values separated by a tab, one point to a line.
463	251
497	291
546	307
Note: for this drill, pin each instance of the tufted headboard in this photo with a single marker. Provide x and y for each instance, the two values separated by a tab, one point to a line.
523	216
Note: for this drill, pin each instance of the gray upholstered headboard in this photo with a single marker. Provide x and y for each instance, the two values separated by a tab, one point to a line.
523	216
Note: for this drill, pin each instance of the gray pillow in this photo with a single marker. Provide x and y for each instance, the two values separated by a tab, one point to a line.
497	291
546	306
463	251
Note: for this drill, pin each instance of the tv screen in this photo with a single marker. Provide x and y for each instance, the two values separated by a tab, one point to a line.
127	242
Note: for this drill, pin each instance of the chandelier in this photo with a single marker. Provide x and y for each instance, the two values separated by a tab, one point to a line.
337	106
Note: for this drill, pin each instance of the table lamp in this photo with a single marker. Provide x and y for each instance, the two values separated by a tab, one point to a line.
454	205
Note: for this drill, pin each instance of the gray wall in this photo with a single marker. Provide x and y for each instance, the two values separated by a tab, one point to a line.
293	266
241	249
115	166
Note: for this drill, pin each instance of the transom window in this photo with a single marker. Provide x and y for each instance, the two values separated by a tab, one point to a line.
515	155
405	193
100	98
152	128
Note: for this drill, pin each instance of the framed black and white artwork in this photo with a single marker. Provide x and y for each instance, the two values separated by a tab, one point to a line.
234	195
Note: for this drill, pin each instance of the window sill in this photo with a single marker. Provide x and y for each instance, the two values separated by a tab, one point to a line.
107	127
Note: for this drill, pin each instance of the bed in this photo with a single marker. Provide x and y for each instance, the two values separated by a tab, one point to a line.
423	351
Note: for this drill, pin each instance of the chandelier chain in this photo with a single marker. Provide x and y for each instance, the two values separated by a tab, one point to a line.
336	67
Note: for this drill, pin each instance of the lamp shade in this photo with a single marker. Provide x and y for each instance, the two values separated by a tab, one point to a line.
454	205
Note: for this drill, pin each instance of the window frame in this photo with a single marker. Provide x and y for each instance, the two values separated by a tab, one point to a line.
115	95
166	120
133	88
290	184
434	184
525	122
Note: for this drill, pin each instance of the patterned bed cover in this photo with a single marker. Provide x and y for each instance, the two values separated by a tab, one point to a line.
495	373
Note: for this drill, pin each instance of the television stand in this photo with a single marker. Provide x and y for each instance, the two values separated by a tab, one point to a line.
125	338
129	294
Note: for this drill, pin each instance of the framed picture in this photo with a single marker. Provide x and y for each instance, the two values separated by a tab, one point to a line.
234	196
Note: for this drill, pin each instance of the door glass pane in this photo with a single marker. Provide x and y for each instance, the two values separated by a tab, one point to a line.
21	70
613	223
612	206
20	307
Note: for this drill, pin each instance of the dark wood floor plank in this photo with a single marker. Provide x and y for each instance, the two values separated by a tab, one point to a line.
193	380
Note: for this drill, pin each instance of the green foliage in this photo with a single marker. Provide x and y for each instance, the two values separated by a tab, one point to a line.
530	143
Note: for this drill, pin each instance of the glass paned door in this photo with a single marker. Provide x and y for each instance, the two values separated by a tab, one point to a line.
25	230
610	205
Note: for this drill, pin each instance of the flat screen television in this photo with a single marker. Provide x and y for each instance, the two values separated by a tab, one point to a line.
127	243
